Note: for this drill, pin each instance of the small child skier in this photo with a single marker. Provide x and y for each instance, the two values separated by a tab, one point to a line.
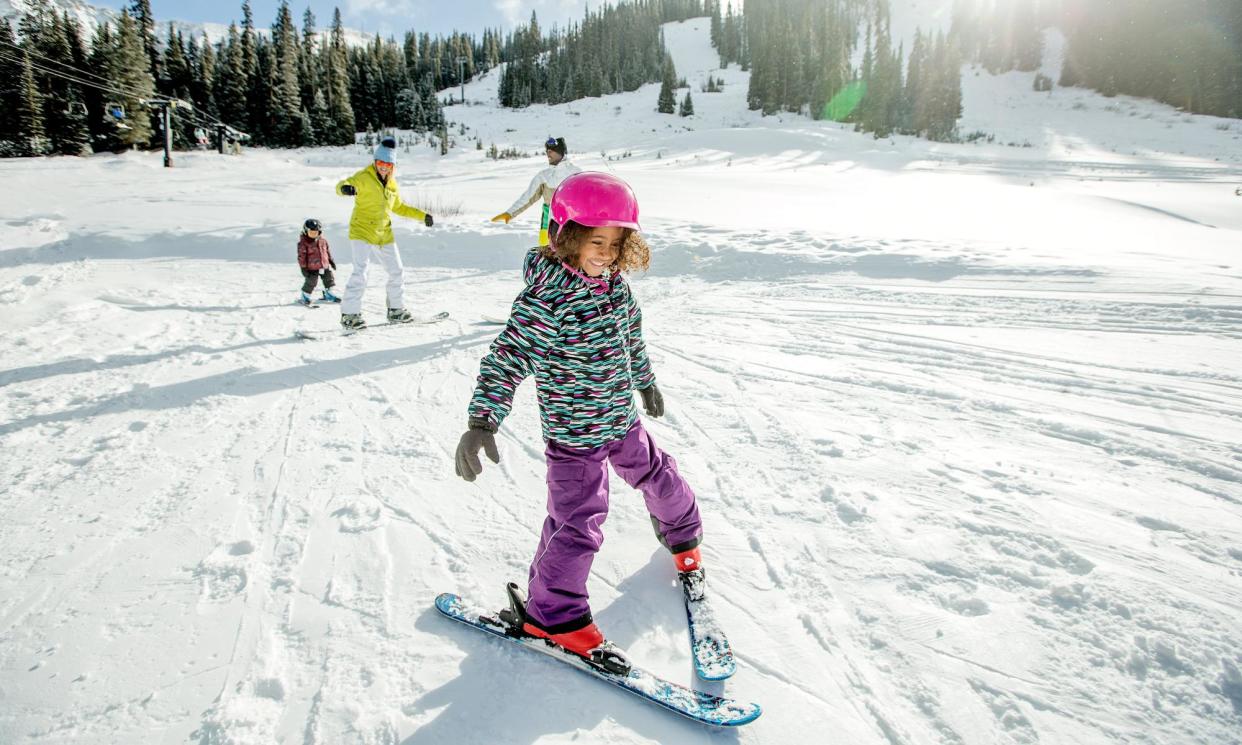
315	258
577	328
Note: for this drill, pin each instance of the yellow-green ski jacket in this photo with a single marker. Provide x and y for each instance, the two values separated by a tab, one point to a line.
374	205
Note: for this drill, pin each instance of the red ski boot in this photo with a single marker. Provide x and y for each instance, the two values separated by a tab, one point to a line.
587	642
690	572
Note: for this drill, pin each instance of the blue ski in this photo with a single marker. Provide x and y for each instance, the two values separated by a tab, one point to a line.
697	705
713	657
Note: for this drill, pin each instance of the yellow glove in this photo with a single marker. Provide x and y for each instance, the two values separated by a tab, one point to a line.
504	217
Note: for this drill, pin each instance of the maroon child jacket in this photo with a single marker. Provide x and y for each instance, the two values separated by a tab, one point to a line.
313	253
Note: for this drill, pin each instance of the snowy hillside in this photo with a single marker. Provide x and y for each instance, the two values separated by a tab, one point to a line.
963	422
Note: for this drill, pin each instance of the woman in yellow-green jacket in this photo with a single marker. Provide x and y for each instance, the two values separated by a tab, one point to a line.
376	198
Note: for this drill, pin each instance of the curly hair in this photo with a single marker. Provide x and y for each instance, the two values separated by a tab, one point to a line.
567	240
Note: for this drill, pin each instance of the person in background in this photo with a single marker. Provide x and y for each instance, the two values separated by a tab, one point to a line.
543	185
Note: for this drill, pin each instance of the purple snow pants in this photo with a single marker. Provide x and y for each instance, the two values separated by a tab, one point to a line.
577	508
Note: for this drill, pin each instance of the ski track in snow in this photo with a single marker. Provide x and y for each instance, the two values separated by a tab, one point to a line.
966	479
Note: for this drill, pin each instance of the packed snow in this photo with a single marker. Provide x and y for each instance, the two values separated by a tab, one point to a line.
963	422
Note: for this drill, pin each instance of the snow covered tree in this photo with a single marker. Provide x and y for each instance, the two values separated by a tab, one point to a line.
64	106
410	110
667	102
21	121
132	74
336	79
286	98
232	82
140	11
687	106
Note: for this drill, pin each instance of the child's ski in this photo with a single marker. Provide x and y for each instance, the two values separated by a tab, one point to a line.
713	657
697	705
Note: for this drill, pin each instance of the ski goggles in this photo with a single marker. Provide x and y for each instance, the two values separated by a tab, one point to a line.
384	164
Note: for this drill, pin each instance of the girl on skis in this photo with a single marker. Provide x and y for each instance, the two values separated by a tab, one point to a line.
315	259
376	197
577	328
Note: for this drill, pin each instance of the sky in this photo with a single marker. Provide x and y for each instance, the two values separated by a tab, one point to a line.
387	17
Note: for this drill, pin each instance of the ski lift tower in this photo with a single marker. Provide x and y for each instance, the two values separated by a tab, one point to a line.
461	75
166	106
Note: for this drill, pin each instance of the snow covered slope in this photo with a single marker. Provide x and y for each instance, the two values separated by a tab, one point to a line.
963	422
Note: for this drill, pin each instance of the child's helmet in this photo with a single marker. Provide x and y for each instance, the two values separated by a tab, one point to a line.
597	200
312	224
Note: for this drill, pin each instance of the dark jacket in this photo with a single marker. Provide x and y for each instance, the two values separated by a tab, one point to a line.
313	253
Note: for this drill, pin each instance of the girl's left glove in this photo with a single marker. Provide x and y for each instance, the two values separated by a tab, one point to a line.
653	401
479	437
428	221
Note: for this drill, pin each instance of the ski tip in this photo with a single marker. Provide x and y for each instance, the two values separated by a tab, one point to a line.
447	603
752	712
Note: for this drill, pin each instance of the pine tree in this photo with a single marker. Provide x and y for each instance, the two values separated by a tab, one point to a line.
321	119
687	106
410	110
336	78
308	62
132	74
21	105
177	82
102	106
140	11
29	135
286	98
232	82
10	71
203	65
64	106
256	86
667	102
259	102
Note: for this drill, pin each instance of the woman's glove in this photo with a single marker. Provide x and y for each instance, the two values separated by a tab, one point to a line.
428	221
504	217
348	190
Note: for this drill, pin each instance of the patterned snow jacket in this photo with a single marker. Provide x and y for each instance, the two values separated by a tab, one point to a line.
584	347
313	253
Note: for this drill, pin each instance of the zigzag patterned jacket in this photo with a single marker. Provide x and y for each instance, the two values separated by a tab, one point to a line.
585	349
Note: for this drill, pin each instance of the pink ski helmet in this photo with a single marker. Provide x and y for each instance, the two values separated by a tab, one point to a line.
596	200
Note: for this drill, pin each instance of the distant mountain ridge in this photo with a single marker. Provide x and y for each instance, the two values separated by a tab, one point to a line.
91	16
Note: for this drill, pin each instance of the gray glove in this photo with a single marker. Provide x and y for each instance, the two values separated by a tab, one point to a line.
348	190
480	436
653	401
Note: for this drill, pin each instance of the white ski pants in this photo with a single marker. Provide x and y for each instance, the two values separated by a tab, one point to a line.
366	254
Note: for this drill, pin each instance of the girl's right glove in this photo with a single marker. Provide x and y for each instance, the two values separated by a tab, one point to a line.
479	436
653	401
349	190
